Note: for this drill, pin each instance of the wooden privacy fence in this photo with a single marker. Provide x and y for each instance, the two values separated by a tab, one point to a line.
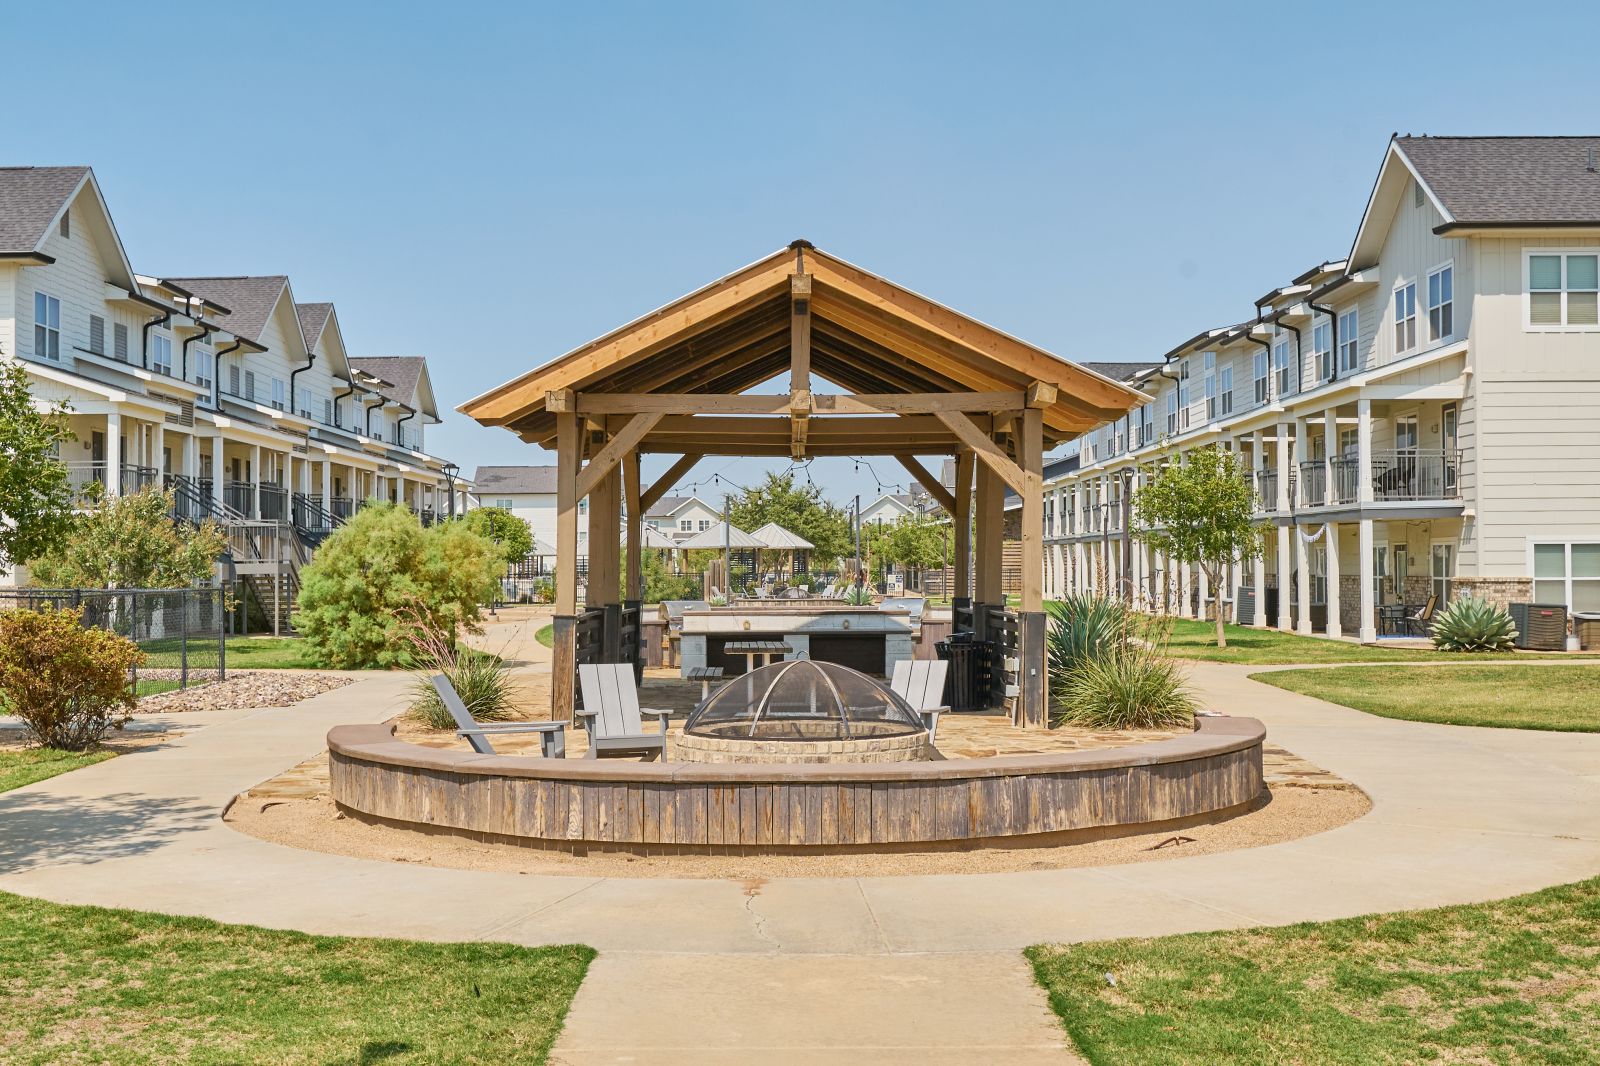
764	807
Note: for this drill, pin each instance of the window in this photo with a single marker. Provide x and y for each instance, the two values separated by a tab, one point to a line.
1210	359
119	341
280	394
1444	570
686	525
1349	444
1441	303
46	327
97	335
204	367
161	354
1172	413
1449	433
1349	339
1563	290
1380	570
504	505
1322	349
1405	317
1567	573
1319	575
1260	374
1287	385
1183	394
1225	388
705	524
1147	427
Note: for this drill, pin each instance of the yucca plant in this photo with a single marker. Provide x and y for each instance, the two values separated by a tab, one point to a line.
1082	626
1132	686
858	596
1472	624
479	678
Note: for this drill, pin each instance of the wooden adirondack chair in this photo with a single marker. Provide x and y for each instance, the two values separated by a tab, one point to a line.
920	682
612	713
552	735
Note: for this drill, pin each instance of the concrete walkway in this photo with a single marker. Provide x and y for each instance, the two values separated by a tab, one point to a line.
1460	815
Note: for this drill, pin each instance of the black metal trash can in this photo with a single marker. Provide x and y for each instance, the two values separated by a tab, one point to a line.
966	684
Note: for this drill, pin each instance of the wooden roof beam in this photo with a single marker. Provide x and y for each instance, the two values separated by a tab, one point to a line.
988	452
799	358
665	483
935	488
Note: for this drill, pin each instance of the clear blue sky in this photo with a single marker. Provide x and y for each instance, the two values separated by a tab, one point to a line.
490	186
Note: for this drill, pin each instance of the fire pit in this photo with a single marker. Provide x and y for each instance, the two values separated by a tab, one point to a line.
802	711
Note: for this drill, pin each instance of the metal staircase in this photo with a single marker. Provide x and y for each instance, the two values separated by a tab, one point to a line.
264	555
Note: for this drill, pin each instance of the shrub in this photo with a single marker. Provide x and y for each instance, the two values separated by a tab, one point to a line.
858	596
68	684
1128	687
1473	624
1082	626
479	678
377	566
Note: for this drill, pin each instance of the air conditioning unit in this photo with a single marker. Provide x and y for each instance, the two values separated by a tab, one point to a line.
1540	626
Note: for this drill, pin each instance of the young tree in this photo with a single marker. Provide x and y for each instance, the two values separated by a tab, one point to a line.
131	542
919	544
505	529
382	570
797	508
1199	511
35	497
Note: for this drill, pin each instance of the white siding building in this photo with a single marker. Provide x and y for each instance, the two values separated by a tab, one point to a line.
1422	417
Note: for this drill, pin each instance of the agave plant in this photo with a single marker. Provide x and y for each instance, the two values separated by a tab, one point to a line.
858	596
1474	624
1131	686
1083	626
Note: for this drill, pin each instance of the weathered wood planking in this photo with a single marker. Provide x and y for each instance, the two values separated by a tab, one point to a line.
751	806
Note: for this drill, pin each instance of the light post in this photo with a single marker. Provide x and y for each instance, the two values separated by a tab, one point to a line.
450	472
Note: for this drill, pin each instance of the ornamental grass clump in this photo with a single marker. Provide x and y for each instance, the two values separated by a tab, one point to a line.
69	684
479	678
1472	624
1109	668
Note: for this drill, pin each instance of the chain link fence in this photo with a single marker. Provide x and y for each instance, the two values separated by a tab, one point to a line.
181	631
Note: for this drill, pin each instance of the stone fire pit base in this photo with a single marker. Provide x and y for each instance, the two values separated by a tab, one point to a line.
910	747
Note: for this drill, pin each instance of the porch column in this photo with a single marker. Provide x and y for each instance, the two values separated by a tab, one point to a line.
1258	566
1302	570
1331	537
1285	559
1369	609
218	471
256	474
1330	451
114	453
962	593
327	486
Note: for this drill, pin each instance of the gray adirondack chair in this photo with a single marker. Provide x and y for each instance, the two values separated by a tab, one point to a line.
612	713
552	735
920	682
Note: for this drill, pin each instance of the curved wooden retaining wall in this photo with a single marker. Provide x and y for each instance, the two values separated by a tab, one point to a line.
709	807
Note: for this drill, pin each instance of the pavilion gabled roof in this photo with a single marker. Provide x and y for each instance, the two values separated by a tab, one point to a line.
867	335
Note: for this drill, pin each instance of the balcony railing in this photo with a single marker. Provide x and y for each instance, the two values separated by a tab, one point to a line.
131	479
1267	490
274	503
341	507
1311	484
1417	474
241	496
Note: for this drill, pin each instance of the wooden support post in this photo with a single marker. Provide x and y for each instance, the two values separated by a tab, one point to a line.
962	596
564	667
633	593
988	531
1031	452
799	363
605	552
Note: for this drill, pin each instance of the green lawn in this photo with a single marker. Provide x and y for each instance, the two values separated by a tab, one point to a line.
147	687
546	635
267	653
18	768
89	985
1513	982
1197	640
1509	695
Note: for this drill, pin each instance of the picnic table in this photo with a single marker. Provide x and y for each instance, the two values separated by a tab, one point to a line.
750	649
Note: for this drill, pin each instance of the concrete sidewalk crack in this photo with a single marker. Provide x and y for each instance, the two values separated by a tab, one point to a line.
528	916
877	926
757	921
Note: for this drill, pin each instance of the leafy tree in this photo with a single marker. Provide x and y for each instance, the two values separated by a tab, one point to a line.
67	682
918	543
502	527
797	508
379	572
35	497
131	542
1199	511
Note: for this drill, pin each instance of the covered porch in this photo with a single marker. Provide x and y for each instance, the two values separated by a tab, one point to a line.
705	376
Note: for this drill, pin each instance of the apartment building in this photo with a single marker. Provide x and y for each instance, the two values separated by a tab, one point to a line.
241	399
681	517
1421	417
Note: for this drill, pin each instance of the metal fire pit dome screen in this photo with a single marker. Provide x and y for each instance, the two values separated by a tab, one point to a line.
803	700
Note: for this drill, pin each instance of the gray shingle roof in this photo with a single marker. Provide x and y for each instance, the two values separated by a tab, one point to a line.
512	480
30	197
1120	371
249	300
1510	179
312	318
666	505
401	371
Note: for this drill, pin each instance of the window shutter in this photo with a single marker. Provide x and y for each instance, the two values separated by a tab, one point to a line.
250	385
97	335
119	341
327	412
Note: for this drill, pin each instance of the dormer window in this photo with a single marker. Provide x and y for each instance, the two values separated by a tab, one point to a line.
161	353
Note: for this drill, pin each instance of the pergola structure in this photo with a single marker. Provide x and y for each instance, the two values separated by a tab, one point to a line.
921	380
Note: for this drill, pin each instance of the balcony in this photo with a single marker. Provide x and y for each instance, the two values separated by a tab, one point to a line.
1267	491
1416	474
1311	485
92	478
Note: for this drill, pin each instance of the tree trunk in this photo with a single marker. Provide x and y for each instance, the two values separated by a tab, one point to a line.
1214	578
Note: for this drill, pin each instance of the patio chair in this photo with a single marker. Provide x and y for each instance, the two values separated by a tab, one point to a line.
552	735
920	682
612	713
1417	624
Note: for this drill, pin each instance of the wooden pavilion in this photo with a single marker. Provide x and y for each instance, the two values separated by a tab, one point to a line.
921	380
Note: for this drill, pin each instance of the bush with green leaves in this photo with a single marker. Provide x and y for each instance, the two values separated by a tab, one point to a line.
358	587
858	596
1472	624
68	683
1082	626
1133	686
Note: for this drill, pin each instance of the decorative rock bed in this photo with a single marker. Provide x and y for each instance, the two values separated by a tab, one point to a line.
582	803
